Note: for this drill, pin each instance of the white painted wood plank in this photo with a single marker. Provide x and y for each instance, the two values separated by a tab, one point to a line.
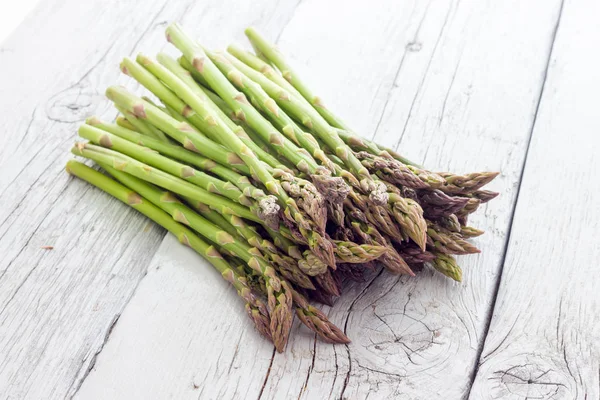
463	105
57	307
12	14
543	339
184	335
419	311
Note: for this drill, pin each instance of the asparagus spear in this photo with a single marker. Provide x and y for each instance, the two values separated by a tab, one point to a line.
350	252
278	292
307	228
124	123
142	126
409	215
272	54
469	231
162	179
463	184
437	204
448	242
484	195
171	65
316	321
267	105
181	154
235	99
446	264
257	310
201	179
310	316
182	132
398	173
286	265
312	119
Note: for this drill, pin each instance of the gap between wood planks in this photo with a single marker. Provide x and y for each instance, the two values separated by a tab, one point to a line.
490	312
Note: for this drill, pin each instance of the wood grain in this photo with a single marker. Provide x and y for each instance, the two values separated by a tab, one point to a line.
543	339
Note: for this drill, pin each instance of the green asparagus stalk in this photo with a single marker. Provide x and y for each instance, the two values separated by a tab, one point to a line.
267	105
446	264
173	66
272	54
124	123
350	252
317	321
448	242
201	179
278	292
236	100
255	307
264	68
285	265
289	82
317	242
143	127
182	132
464	184
469	231
311	118
345	133
145	172
183	155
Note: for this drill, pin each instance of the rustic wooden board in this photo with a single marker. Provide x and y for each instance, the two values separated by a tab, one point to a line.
456	84
543	339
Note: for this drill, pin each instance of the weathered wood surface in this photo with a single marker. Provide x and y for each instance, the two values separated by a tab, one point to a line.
543	339
458	85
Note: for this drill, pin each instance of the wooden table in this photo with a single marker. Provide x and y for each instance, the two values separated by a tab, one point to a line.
119	310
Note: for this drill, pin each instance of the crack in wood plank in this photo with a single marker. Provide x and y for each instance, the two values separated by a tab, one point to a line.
490	312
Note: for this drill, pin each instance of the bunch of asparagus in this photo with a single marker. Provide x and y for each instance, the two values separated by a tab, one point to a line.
246	166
